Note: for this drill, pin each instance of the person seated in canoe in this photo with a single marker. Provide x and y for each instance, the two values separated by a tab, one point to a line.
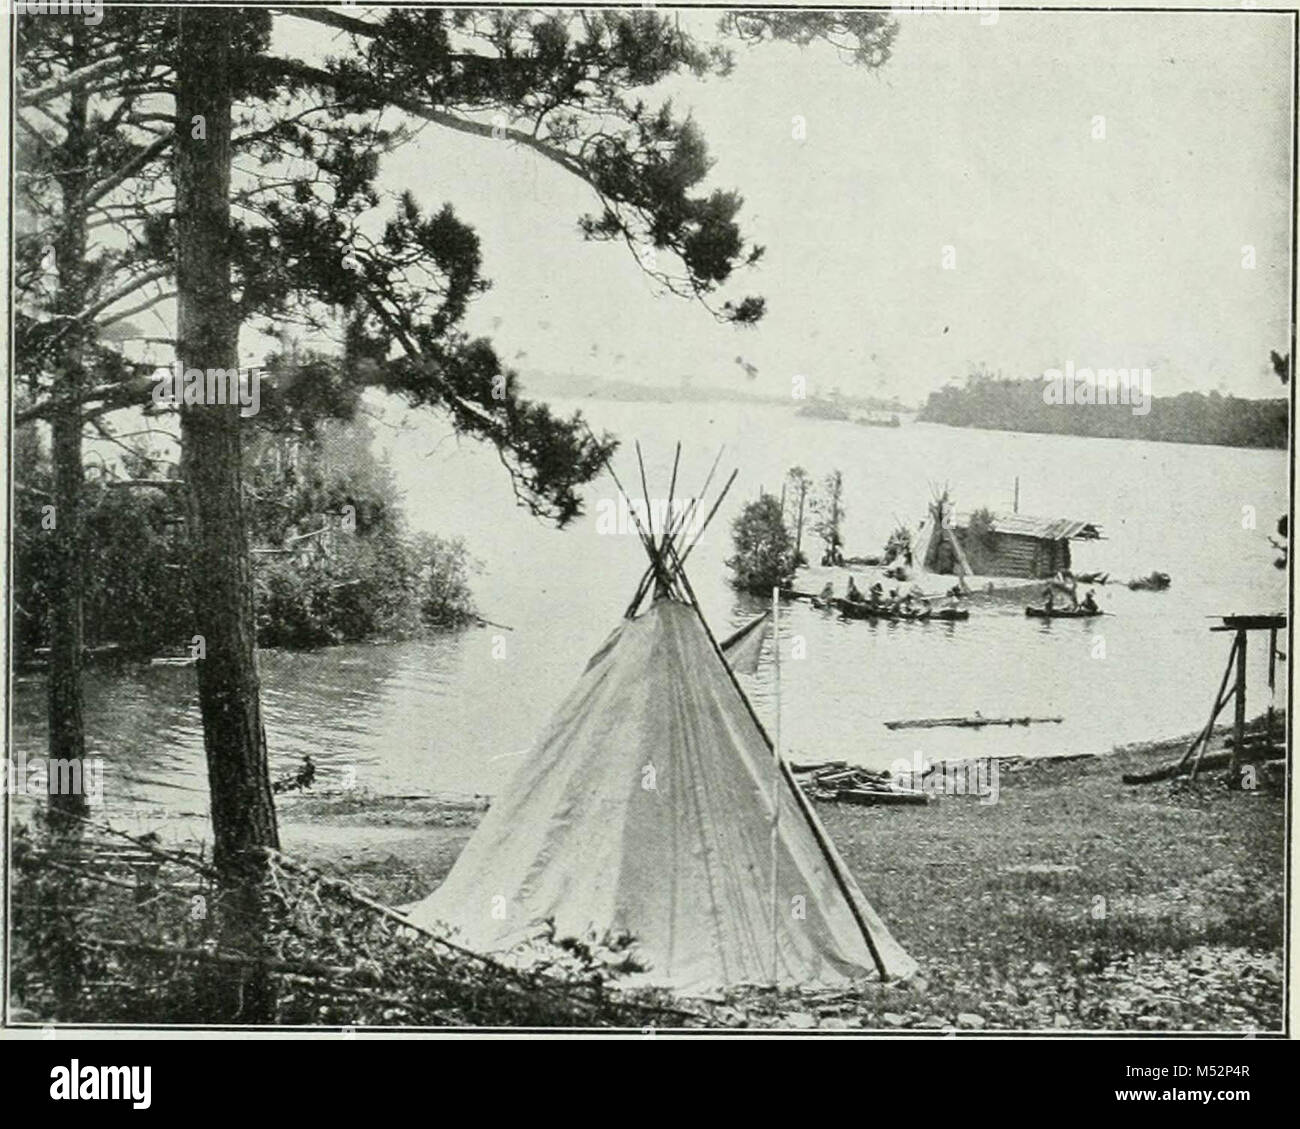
1089	603
953	599
877	595
855	593
1049	597
895	601
827	594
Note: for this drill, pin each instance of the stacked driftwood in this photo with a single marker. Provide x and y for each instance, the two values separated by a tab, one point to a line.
840	782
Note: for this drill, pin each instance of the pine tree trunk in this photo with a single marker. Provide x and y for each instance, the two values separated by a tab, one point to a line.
243	811
67	738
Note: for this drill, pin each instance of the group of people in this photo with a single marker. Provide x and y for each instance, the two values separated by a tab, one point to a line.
910	603
1065	584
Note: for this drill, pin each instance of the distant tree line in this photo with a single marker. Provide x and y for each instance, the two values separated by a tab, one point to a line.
1004	404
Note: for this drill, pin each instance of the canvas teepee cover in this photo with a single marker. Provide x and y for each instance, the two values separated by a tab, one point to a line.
646	809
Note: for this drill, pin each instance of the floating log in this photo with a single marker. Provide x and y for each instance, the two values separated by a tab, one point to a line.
976	722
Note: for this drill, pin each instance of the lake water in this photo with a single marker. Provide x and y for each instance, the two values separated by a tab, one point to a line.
456	714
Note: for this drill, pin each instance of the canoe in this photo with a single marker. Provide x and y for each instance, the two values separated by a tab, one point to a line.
1061	613
953	614
851	609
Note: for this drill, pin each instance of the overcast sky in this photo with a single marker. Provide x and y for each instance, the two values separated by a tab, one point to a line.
1124	251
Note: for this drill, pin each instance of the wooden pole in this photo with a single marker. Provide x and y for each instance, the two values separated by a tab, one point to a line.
1272	680
1202	741
708	519
672	490
679	528
1239	713
776	768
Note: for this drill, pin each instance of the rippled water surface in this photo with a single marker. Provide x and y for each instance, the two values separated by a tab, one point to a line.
455	714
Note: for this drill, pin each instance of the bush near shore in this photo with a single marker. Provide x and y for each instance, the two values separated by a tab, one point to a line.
333	560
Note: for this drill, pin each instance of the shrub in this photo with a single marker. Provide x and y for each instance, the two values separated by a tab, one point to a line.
764	556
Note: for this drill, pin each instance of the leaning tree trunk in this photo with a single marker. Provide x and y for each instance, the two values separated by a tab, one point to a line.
67	738
243	812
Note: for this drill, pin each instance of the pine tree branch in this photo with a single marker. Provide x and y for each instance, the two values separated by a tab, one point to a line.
79	78
135	164
346	85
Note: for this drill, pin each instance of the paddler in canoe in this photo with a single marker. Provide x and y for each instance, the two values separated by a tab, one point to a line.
1075	609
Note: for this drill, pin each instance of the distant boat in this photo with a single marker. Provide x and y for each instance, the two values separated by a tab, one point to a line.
891	420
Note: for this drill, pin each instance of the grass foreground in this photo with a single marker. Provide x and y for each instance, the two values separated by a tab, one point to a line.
1074	903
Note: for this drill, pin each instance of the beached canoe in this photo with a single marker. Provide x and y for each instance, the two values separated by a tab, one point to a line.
1061	613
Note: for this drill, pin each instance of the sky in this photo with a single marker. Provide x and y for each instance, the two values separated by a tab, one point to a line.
1107	189
1121	250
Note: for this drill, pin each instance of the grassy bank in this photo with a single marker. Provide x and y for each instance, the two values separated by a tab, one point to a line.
1074	903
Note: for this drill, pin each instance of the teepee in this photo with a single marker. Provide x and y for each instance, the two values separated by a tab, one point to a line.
651	807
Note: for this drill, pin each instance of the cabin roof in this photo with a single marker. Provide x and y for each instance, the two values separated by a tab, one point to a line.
1041	528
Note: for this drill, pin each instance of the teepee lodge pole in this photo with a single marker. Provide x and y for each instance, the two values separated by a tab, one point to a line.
776	764
672	491
677	527
696	540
